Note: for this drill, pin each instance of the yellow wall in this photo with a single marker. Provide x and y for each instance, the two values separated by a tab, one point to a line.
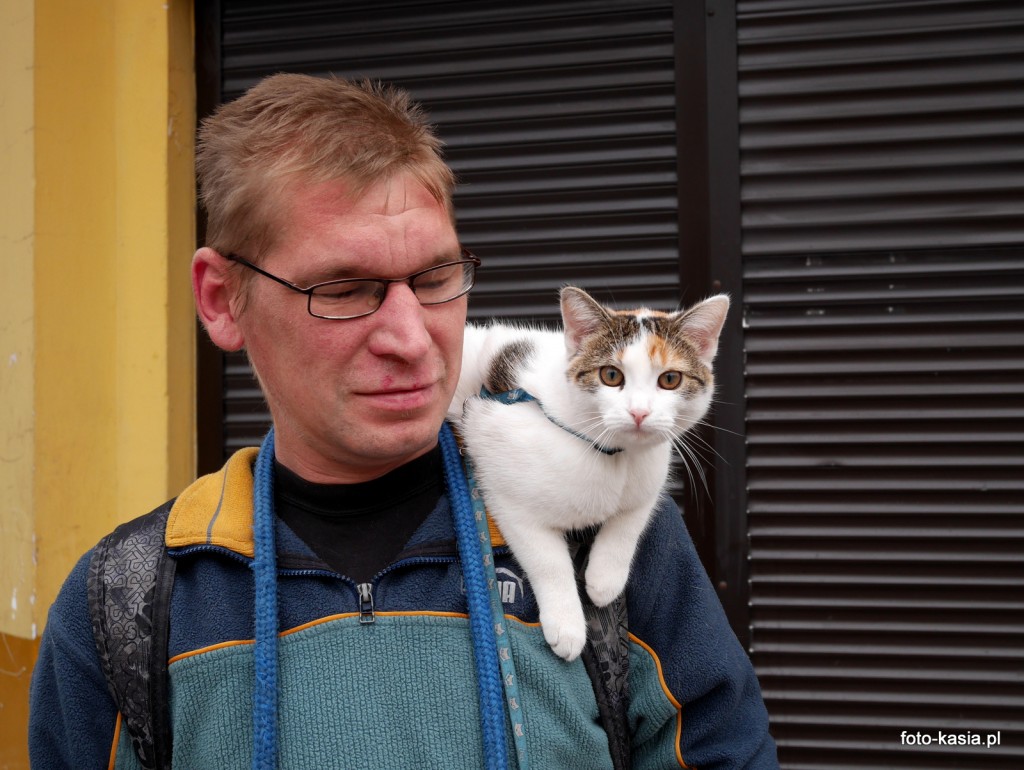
96	321
17	342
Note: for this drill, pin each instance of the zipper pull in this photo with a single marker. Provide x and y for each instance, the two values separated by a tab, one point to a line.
366	615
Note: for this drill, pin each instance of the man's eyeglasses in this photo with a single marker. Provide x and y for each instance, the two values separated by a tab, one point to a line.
356	297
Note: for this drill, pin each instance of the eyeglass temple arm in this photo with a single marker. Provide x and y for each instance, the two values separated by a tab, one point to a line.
271	276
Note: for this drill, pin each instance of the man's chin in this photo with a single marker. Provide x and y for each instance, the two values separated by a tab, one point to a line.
411	434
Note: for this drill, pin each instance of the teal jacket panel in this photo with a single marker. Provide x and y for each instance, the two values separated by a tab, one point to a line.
400	684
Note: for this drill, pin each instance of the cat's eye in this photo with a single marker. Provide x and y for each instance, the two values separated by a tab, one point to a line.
611	376
670	380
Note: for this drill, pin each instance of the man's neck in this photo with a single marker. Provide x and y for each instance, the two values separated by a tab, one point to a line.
317	468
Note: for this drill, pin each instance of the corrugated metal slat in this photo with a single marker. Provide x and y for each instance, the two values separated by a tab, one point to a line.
854	117
883	191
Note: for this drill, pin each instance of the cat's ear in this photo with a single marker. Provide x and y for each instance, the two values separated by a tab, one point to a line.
582	315
702	324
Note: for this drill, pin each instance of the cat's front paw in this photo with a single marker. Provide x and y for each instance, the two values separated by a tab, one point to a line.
566	636
605	586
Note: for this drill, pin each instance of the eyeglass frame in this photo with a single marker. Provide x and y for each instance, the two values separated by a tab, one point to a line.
467	257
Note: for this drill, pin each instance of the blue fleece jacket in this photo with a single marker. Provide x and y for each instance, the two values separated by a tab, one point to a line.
400	692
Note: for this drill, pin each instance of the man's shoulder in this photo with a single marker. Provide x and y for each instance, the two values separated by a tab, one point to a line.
129	588
666	532
155	519
125	562
75	583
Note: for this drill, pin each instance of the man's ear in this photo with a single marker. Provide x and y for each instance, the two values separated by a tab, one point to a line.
215	300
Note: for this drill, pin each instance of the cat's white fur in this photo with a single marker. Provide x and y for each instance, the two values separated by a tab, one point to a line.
540	481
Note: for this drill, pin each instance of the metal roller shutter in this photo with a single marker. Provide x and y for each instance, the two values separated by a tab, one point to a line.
559	119
882	164
873	462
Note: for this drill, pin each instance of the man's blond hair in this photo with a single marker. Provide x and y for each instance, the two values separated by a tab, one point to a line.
302	130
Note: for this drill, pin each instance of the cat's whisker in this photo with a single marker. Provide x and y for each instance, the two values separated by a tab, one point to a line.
686	452
708	424
589	425
696	442
597	421
697	438
688	465
598	442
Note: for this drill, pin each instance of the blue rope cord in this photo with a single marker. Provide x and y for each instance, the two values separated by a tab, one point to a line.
504	648
492	712
471	544
264	712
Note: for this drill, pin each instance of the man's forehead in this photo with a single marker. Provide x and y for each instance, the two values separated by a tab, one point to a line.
391	196
393	227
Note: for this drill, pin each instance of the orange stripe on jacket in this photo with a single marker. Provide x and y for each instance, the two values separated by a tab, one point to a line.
671	698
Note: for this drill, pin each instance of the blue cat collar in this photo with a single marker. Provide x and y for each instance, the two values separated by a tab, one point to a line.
514	396
520	396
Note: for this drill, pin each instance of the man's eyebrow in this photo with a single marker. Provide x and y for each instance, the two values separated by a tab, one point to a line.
314	275
445	257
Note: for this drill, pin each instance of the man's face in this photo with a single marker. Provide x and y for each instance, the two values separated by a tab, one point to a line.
354	399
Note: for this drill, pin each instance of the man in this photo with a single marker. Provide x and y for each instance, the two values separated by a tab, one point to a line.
333	260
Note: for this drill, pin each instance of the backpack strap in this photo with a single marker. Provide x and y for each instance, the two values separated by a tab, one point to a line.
129	586
606	659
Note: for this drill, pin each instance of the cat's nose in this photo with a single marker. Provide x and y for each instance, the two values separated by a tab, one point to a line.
639	415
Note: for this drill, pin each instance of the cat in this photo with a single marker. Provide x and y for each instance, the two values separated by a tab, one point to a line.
572	430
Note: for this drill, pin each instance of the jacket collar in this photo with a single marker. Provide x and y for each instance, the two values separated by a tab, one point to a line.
217	510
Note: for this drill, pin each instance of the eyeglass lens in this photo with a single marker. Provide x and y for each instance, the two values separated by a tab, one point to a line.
352	298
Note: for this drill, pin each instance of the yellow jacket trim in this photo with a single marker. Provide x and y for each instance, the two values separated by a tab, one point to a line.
217	509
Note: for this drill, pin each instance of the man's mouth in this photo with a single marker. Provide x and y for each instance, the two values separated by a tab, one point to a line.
401	397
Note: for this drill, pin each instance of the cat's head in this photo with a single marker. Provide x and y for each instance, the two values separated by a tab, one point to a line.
645	375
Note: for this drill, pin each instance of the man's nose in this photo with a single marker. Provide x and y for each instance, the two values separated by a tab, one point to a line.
400	330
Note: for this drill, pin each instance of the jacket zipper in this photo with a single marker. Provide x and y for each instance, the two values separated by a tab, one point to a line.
364	591
366	616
